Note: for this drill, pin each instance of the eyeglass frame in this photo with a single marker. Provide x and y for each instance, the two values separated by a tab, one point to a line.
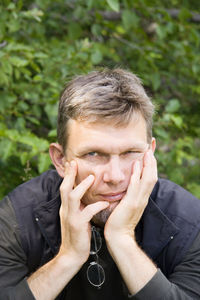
96	261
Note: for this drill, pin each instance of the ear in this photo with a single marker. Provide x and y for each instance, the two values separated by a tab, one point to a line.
58	158
153	144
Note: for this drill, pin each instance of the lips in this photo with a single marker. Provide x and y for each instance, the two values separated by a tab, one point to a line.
112	197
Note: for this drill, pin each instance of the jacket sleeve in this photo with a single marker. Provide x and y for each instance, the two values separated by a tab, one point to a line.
183	283
13	267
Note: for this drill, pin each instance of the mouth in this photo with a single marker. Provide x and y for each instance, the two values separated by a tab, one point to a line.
112	197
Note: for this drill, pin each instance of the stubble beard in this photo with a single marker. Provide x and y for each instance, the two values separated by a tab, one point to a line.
101	217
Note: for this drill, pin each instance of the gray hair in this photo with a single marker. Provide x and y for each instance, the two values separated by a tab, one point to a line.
105	96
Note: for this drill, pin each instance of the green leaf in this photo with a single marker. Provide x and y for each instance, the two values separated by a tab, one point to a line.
23	106
51	111
155	79
33	120
41	55
194	188
38	78
44	162
173	106
96	29
6	100
6	149
129	19
161	133
74	31
6	67
114	5
18	62
4	79
52	133
96	57
33	14
20	123
178	121
24	157
11	6
161	31
184	14
13	26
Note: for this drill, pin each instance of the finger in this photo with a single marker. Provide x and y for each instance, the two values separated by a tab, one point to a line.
150	163
69	179
78	192
135	178
92	209
133	188
149	175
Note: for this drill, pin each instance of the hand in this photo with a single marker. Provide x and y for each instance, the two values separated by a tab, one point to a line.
126	215
74	217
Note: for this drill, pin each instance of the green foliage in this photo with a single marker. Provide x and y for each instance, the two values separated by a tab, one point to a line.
43	43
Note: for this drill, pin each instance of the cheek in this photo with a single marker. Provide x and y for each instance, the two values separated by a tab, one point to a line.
85	169
82	171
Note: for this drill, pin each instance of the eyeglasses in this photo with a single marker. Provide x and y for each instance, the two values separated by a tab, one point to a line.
95	272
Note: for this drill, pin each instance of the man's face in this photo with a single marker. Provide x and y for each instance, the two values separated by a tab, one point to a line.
107	152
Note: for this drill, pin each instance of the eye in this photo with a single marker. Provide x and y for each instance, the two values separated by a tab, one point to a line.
92	154
95	157
131	152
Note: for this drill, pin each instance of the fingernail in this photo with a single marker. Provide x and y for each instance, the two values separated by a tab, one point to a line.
91	177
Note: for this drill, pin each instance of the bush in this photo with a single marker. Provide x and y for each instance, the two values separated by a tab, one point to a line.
44	43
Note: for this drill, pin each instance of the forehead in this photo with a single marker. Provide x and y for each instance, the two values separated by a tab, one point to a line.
90	136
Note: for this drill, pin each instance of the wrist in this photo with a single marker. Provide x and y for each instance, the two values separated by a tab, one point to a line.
130	259
120	237
69	260
121	243
50	279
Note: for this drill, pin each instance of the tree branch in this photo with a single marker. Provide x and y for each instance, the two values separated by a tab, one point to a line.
115	16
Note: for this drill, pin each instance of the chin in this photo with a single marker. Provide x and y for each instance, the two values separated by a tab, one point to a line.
101	218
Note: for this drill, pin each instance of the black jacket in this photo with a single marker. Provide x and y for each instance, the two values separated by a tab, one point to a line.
169	226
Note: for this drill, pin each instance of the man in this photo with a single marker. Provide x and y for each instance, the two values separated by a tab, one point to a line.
102	226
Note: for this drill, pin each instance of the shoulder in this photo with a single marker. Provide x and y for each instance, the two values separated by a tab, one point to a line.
175	201
176	209
7	215
39	189
39	196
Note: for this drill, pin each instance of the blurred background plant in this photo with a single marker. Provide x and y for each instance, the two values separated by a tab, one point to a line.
43	43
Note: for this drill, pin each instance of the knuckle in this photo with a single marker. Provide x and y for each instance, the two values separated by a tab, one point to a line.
71	196
61	188
90	209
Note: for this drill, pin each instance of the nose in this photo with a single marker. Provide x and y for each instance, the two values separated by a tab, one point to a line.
114	171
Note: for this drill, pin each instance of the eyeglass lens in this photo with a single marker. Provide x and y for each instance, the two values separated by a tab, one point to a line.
96	274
